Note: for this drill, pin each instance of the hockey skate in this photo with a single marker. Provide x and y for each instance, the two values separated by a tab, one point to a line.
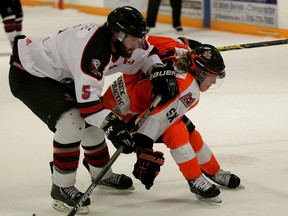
204	190
225	178
116	181
65	198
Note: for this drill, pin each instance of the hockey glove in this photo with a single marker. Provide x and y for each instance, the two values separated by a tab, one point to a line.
147	166
117	133
164	83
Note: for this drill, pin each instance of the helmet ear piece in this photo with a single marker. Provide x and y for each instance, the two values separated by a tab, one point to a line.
196	61
196	67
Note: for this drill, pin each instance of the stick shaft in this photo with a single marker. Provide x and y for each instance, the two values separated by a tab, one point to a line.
253	45
146	114
107	166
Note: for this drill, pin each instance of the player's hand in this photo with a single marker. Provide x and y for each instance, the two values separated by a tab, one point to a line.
147	166
117	133
164	83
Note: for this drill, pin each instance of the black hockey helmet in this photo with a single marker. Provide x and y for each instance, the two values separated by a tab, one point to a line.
127	20
205	58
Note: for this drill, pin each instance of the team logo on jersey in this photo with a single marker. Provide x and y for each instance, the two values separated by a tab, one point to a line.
95	65
187	99
128	61
28	41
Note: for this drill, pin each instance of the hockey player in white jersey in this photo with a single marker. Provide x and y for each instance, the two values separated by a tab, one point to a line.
60	78
12	17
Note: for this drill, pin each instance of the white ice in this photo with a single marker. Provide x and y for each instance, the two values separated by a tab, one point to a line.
244	122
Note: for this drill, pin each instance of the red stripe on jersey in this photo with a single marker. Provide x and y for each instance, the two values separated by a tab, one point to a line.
85	111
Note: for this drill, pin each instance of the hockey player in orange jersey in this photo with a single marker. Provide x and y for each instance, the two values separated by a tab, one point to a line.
196	71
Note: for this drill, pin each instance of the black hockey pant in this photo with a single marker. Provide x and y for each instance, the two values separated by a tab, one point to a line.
46	98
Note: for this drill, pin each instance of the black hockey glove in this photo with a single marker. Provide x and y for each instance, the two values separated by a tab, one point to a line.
117	133
164	83
147	166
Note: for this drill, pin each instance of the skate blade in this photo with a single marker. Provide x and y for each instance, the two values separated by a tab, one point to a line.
109	187
61	206
241	186
216	199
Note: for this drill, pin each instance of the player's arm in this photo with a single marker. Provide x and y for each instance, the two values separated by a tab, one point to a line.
163	78
89	85
94	113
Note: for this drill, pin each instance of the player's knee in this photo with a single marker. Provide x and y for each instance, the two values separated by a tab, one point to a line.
70	127
93	136
196	140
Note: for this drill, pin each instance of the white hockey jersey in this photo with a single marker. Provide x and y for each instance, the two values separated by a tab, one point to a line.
82	53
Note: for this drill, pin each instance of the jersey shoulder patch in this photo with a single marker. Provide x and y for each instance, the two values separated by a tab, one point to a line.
97	54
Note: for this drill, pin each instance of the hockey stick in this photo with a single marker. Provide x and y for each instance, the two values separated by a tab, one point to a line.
107	166
253	45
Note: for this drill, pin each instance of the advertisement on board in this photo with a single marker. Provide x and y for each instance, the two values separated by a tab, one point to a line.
141	5
190	8
251	12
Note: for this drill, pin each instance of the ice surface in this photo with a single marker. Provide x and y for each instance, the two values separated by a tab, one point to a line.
244	122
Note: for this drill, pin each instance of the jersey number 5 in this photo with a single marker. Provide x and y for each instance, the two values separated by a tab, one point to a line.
85	92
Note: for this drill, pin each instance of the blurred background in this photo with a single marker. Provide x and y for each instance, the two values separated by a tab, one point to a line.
244	121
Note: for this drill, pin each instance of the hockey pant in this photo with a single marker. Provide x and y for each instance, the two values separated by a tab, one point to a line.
190	152
58	110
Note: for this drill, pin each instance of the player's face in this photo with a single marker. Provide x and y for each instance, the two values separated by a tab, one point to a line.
208	82
211	81
129	44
